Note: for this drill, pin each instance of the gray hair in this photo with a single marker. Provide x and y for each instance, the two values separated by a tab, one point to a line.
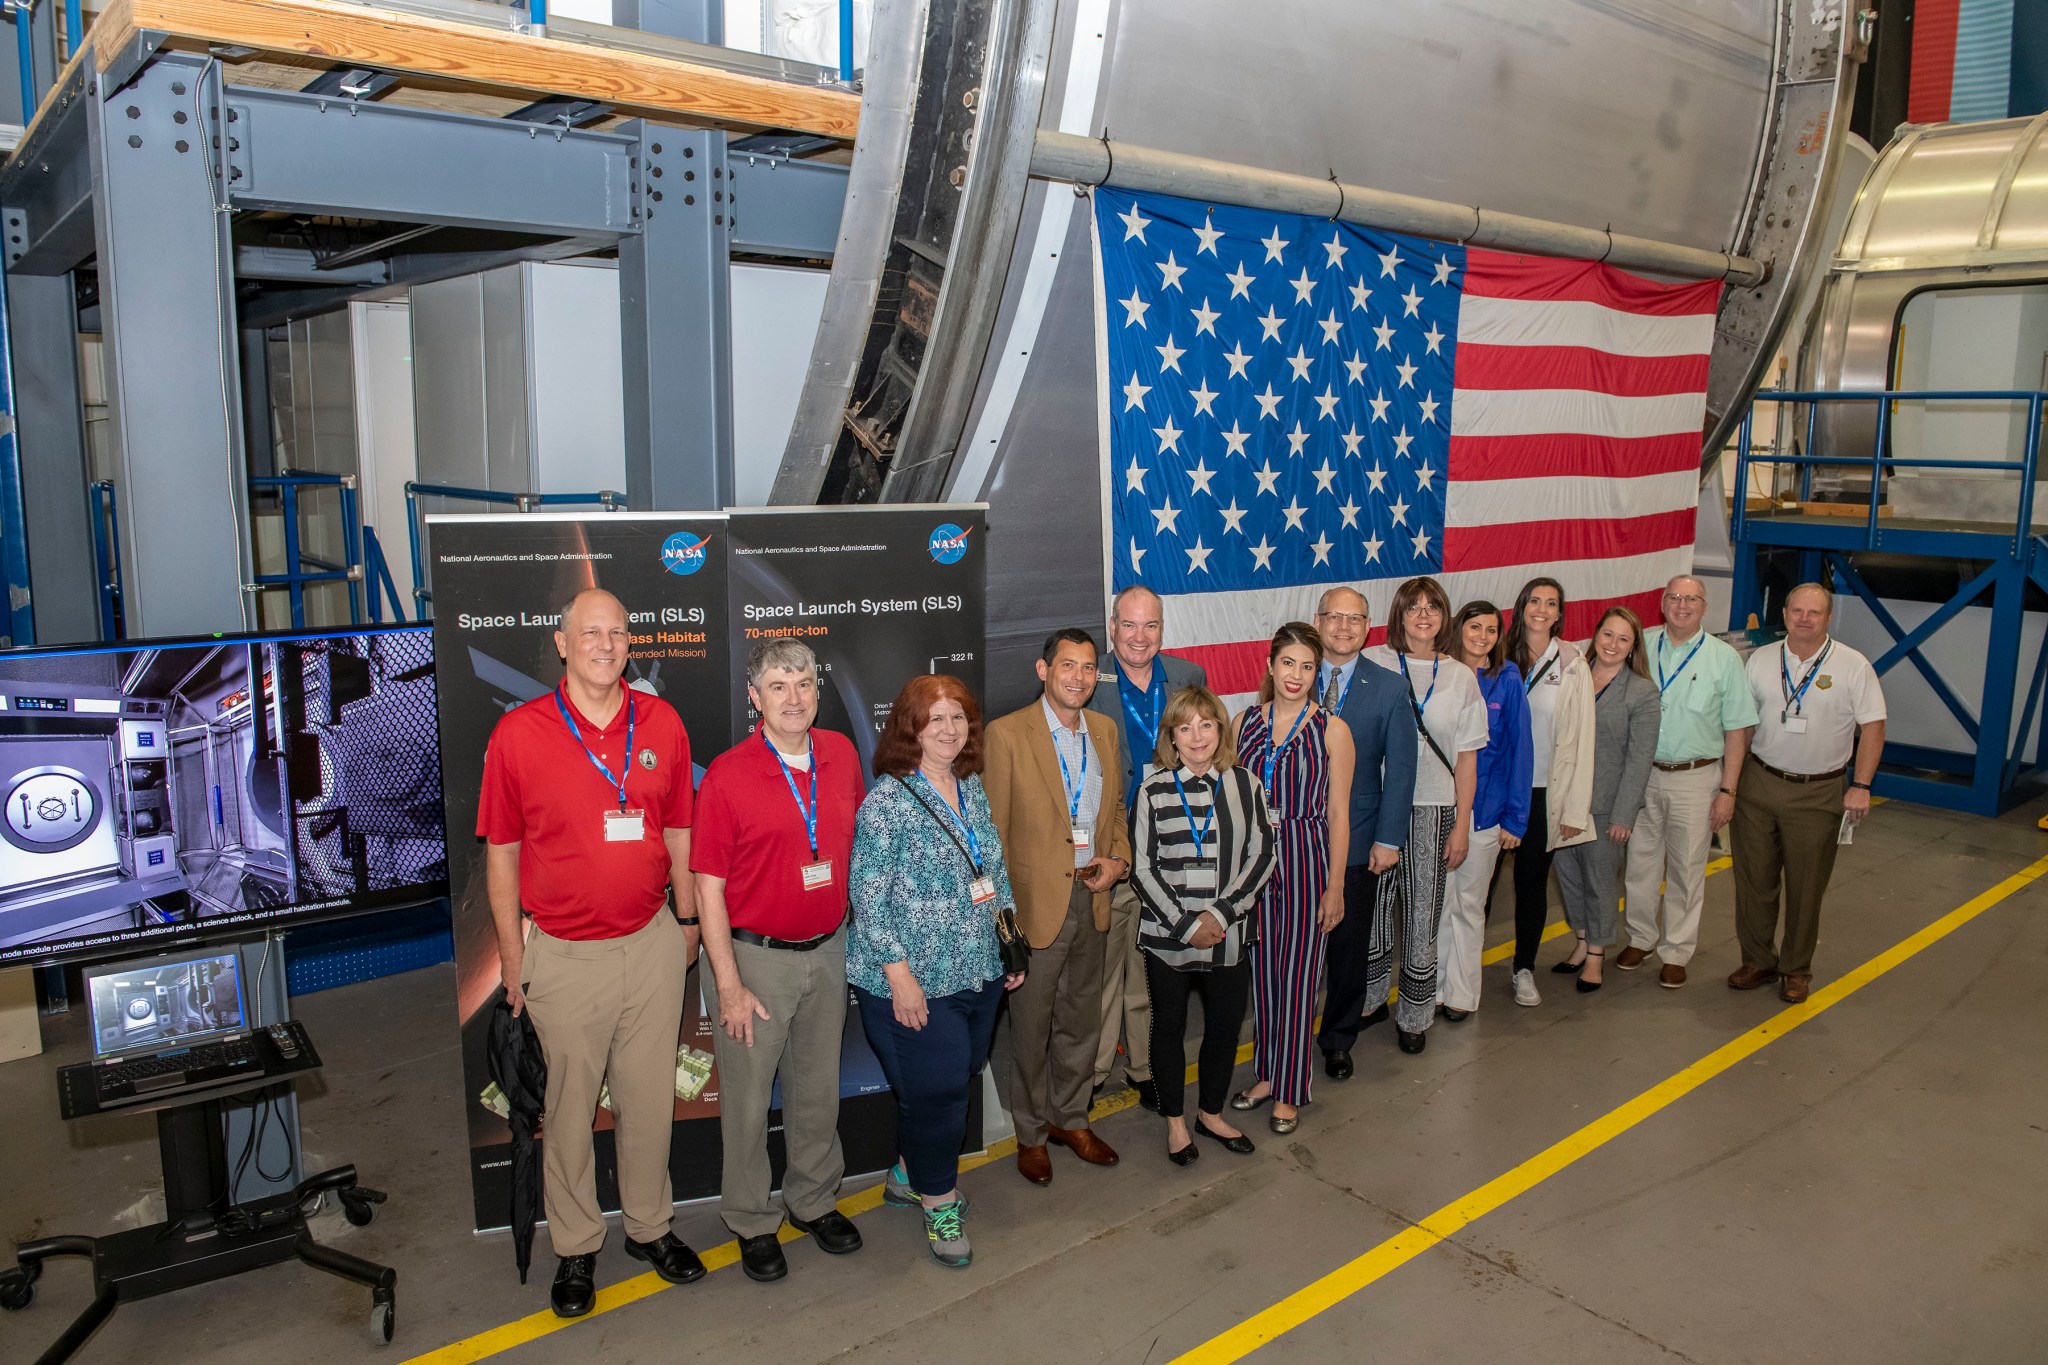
562	622
792	655
1827	594
1676	579
1116	604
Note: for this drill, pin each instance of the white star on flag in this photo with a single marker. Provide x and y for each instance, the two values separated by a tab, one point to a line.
1372	549
1269	403
1274	245
1321	545
1205	319
1134	310
1423	474
1267	477
1296	439
1294	512
1134	394
1411	301
1169	436
1134	477
1351	440
1198	557
1402	441
1169	355
1428	407
1389	261
1138	554
1356	366
1398	510
1233	517
1270	324
1208	235
1407	372
1300	362
1240	283
1325	476
1359	294
1235	439
1433	338
1443	272
1205	399
1327	401
1168	516
1200	476
1333	330
1380	404
1135	224
1378	475
1422	542
1238	360
1336	250
1262	554
1171	271
1385	333
1349	510
1304	286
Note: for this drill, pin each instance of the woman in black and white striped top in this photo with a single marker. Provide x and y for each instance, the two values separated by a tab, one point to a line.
1202	849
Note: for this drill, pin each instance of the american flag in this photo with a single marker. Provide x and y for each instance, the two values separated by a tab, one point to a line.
1291	403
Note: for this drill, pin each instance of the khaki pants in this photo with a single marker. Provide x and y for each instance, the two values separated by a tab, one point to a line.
1670	846
1055	1017
1784	832
805	996
607	1007
1126	1004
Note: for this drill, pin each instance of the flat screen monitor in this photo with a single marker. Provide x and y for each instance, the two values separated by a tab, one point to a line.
160	793
166	1002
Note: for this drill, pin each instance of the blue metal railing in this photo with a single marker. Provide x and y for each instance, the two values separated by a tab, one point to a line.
298	576
1878	460
25	53
106	560
74	27
524	502
846	40
377	576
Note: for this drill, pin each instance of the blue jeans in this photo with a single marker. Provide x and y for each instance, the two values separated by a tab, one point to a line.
930	1071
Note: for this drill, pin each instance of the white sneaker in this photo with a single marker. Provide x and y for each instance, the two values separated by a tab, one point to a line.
1525	988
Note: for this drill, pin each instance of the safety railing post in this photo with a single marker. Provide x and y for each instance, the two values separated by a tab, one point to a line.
294	589
1877	467
351	552
846	40
2029	461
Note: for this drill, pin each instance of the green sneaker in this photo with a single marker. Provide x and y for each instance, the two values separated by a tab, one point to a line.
945	1228
896	1188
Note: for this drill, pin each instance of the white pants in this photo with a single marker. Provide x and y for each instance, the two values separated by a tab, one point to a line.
1462	937
1670	846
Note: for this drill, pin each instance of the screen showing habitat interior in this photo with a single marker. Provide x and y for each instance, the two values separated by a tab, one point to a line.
161	792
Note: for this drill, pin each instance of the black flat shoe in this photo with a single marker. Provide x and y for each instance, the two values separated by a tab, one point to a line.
1456	1016
1186	1156
761	1257
575	1286
1243	1101
1413	1042
1588	987
1337	1065
1240	1144
832	1230
671	1260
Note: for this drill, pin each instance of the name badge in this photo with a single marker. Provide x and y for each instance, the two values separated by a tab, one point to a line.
818	874
624	826
1198	876
982	889
1795	725
1084	842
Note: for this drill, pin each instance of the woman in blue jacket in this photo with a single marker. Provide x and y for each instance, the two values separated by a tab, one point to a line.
1500	807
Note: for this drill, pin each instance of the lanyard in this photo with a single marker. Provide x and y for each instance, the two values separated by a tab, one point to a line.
1435	666
1549	659
1155	693
1202	834
1067	782
1794	695
1272	749
625	764
1604	686
810	812
1664	683
959	819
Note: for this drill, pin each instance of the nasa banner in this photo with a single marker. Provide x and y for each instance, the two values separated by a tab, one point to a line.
880	594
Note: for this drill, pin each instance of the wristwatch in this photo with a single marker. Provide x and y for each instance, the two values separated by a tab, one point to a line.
1727	791
1854	783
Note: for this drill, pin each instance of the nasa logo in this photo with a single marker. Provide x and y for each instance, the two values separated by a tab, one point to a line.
684	553
948	543
647	759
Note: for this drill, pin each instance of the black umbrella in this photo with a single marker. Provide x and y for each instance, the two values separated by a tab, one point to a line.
521	1072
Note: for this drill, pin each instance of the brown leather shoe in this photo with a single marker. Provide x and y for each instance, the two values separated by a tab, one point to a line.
1035	1164
1793	989
1671	976
1631	958
1748	977
1084	1144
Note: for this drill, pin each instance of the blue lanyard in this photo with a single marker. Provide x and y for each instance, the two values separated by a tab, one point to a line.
1664	683
959	818
1272	749
1793	696
1067	782
810	812
1154	693
1202	834
1435	667
625	764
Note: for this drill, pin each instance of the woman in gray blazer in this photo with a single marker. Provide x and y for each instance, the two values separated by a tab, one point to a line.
1626	712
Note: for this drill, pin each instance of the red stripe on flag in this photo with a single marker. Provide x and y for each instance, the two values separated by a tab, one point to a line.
1580	618
1467	548
1239	666
1931	83
1495	274
1481	366
1550	454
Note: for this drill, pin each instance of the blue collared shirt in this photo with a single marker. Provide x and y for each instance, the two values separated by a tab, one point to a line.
1344	674
1071	745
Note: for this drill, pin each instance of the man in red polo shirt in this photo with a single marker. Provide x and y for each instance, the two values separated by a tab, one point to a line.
586	806
774	837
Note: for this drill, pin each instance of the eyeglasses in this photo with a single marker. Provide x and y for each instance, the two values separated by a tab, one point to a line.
1341	618
1421	609
1684	599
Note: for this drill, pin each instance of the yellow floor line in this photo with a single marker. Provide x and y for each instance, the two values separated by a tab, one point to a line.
536	1325
1396	1251
1501	952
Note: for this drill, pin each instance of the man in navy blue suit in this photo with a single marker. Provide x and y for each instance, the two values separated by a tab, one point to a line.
1373	703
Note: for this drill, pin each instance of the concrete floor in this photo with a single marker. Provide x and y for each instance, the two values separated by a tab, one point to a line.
1869	1187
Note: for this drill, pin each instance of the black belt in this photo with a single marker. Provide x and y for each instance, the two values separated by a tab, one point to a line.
794	945
1798	777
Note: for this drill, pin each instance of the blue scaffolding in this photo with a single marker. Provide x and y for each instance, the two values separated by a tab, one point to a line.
1993	775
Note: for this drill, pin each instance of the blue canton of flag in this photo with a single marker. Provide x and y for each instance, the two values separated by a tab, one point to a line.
1279	393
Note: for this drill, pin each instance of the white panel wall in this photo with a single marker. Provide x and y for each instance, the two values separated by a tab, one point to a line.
774	321
574	370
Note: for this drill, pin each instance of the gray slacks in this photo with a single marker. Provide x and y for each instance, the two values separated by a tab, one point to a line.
1055	1022
1589	880
805	996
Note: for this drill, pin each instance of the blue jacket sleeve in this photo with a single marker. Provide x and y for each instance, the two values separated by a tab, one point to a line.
1397	786
1514	714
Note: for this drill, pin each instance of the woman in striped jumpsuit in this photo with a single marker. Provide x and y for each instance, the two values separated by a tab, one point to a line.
1302	756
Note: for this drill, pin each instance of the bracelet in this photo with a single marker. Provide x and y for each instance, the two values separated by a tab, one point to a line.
1727	791
1854	783
691	922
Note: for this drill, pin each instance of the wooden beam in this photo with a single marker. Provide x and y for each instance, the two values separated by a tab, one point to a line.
348	34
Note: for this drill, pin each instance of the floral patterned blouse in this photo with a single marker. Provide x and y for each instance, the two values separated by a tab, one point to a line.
909	885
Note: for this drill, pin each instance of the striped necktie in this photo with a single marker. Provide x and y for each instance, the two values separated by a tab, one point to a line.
1331	696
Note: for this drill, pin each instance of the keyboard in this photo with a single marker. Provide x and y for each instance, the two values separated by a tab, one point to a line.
206	1064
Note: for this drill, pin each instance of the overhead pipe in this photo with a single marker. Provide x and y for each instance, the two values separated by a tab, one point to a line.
1098	161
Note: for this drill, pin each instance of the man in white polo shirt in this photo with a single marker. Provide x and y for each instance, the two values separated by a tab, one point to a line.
1819	701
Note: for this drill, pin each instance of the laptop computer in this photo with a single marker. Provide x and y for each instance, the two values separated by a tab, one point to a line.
165	1025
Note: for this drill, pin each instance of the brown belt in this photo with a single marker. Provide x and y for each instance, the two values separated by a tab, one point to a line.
1798	777
1685	767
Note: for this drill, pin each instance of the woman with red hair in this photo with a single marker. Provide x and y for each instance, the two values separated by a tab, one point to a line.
926	883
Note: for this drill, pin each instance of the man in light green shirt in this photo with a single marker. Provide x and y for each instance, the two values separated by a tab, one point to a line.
1708	713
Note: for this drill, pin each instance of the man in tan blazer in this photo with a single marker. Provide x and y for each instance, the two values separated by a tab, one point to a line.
1055	787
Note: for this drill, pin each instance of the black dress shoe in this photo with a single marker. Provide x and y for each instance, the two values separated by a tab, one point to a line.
761	1258
832	1230
1148	1093
1337	1065
1240	1144
1456	1016
1413	1042
671	1260
575	1286
1186	1156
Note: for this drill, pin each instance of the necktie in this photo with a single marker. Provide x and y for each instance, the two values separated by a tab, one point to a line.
1331	696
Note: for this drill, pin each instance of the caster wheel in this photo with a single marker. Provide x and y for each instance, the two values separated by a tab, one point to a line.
382	1323
17	1291
359	1212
